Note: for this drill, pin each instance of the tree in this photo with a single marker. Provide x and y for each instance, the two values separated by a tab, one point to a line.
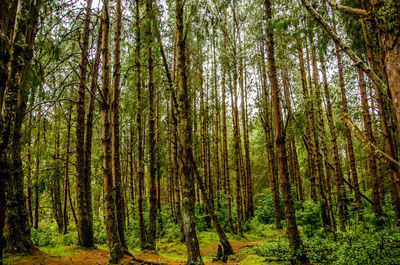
83	188
114	242
185	142
292	231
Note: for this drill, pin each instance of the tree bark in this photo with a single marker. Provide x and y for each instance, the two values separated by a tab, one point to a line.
291	225
83	188
340	189
114	242
185	144
17	229
140	158
151	240
269	136
66	174
115	134
226	180
371	156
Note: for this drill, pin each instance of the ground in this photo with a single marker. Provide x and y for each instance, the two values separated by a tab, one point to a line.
170	253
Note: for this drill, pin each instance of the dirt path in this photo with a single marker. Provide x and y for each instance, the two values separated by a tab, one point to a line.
100	257
80	257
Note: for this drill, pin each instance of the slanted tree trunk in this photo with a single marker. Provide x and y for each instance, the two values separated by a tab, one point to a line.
114	242
185	143
116	164
83	188
291	225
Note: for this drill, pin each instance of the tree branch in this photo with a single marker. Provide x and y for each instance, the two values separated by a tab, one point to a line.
348	9
357	61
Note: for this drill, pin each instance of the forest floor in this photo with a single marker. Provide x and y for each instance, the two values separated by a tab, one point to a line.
169	253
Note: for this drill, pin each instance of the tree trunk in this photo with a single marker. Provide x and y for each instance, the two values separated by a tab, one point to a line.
371	154
114	242
236	137
326	206
185	146
116	164
340	189
17	229
313	134
269	136
37	165
83	189
151	240
291	225
226	180
348	133
57	210
66	174
29	174
140	158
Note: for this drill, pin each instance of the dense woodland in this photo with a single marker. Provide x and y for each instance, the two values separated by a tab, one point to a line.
160	126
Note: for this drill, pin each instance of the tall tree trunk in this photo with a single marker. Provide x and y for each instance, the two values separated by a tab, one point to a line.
291	225
140	158
83	188
348	132
314	146
66	174
185	146
340	189
216	127
57	210
116	164
371	155
151	240
37	173
269	137
386	15
114	242
384	111
17	229
29	173
326	207
236	136
247	167
226	180
90	113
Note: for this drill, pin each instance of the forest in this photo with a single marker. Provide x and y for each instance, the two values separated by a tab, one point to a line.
200	132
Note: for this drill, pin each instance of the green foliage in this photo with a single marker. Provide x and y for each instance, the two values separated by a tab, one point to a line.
100	233
48	236
309	217
264	211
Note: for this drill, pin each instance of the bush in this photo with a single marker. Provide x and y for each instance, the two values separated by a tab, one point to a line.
264	211
309	218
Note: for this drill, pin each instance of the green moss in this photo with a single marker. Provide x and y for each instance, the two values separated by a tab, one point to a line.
60	251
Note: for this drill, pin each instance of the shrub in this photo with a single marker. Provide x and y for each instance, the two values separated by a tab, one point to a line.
264	211
309	218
